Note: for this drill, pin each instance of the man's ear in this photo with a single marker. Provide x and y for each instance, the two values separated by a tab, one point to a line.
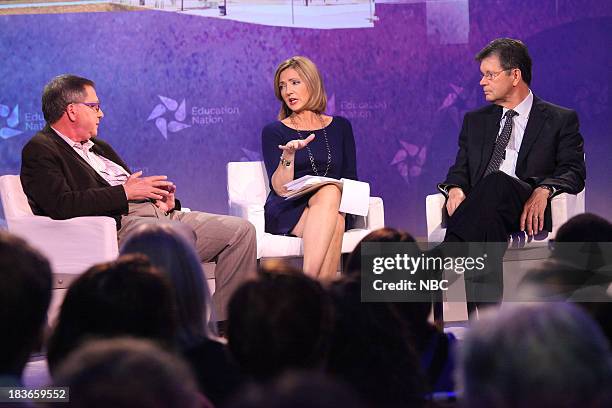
517	76
71	112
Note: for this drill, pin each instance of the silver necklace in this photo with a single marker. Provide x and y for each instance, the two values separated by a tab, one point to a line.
310	155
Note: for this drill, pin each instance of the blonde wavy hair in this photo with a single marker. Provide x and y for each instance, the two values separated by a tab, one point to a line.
312	78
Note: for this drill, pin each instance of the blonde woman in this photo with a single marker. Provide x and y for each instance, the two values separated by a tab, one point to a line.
305	141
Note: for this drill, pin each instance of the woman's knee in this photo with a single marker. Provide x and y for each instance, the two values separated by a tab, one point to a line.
328	196
340	224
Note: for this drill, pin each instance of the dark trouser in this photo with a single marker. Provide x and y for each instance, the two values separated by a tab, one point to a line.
489	213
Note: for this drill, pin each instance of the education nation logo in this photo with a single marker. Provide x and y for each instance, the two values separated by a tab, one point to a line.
169	116
9	120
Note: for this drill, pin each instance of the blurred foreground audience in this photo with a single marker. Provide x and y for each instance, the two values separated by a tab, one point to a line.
371	351
538	355
390	235
436	349
300	344
579	269
25	293
170	250
587	227
279	321
127	373
585	241
127	297
299	390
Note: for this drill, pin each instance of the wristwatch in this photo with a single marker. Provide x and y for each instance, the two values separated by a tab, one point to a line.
550	189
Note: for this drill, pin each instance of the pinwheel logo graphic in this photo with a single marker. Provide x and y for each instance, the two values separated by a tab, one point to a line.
176	111
8	129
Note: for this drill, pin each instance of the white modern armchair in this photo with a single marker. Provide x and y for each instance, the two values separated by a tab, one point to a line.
247	189
522	254
71	245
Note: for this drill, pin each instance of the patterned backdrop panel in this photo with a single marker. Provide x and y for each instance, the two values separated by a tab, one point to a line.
183	95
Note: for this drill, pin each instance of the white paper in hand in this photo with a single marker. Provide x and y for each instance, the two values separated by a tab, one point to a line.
355	197
306	181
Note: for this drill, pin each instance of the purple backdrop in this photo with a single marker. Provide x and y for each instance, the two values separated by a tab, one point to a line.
404	85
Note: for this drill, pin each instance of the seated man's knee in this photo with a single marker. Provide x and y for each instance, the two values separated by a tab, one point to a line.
251	232
493	185
497	178
184	230
247	229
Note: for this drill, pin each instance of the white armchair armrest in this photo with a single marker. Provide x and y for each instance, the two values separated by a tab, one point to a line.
563	207
254	213
433	210
94	238
375	218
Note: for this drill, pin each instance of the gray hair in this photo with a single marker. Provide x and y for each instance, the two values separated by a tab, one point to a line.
169	249
60	92
545	355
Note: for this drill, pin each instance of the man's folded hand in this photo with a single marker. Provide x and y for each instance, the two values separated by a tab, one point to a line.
455	197
532	218
141	188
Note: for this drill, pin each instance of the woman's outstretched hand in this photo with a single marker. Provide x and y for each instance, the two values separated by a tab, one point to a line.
292	146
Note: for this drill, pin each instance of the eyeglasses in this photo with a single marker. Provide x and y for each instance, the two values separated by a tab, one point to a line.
93	105
492	75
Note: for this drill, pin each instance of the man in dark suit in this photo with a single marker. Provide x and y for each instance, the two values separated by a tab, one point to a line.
66	172
514	156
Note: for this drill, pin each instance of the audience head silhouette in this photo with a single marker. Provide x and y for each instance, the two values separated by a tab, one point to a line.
25	293
169	249
127	297
279	321
127	373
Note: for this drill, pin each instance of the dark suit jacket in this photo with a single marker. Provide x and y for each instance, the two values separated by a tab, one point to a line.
551	152
61	185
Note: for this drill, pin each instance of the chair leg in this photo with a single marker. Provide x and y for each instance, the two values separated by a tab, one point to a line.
438	310
343	261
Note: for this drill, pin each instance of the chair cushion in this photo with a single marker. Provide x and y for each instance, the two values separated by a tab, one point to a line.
276	246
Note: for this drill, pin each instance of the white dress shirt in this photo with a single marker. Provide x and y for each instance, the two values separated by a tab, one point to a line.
508	166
